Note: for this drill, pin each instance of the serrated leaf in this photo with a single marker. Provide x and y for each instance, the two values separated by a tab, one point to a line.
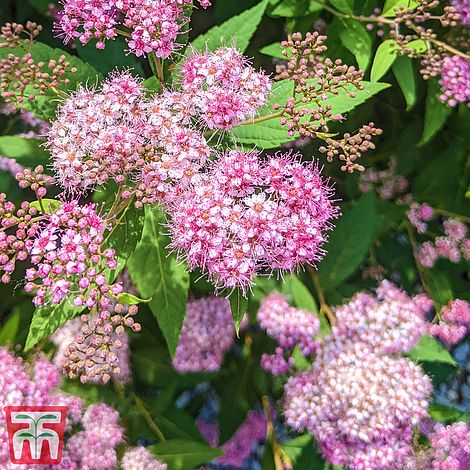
270	134
349	242
130	299
182	454
436	113
344	6
301	296
47	319
385	56
404	73
430	350
160	276
237	30
355	39
273	50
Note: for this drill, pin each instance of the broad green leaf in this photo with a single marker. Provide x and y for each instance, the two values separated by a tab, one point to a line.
176	423
10	328
385	55
438	285
436	113
237	30
430	350
50	205
129	299
301	296
28	152
270	134
160	276
152	84
404	73
238	305
47	319
296	8
182	454
344	6
355	38
125	236
446	414
303	454
391	5
273	50
44	106
348	243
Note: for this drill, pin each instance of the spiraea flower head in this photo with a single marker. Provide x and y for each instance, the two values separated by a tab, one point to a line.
463	9
455	80
223	87
208	332
454	323
246	215
139	458
451	446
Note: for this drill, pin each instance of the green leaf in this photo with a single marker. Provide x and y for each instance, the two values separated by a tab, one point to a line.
436	113
152	84
301	450
430	350
296	8
344	6
125	236
47	319
349	242
160	276
385	56
10	328
273	50
237	30
50	205
355	39
270	134
446	414
44	106
404	73
439	286
390	5
176	423
181	454
301	296
129	299
238	305
28	152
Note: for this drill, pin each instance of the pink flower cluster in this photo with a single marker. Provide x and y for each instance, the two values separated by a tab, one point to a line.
454	323
246	215
418	215
239	446
389	323
68	334
223	87
451	447
10	166
154	25
360	404
118	133
455	81
92	448
139	458
207	333
454	245
463	8
68	258
289	326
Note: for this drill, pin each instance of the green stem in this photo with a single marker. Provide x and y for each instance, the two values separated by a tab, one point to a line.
453	215
146	415
324	307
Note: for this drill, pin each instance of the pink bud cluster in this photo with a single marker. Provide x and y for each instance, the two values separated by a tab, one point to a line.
463	9
223	87
419	214
207	333
290	327
454	323
239	446
115	361
69	261
246	215
154	25
118	133
388	184
359	403
139	458
93	447
390	322
455	80
451	447
454	245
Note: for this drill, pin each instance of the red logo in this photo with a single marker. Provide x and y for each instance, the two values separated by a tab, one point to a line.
36	433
